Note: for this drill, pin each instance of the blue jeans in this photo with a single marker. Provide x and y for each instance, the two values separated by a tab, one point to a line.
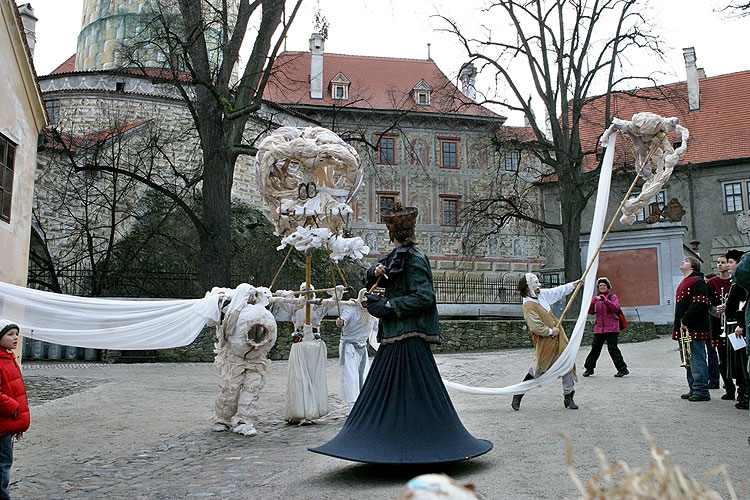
6	460
697	372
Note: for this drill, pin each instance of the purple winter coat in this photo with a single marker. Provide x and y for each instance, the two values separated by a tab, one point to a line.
607	319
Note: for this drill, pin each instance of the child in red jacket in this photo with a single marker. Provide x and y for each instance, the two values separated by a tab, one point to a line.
14	408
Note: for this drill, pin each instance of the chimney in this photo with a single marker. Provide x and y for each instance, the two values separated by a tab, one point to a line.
29	25
694	96
316	66
468	77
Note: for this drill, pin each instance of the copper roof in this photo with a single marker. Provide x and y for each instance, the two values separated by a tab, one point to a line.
377	83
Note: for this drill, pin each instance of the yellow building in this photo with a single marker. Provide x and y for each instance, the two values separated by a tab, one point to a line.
22	118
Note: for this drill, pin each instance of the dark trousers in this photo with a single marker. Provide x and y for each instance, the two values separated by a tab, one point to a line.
713	365
596	350
6	460
738	370
724	369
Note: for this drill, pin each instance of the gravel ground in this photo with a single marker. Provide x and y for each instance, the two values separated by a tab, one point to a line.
142	432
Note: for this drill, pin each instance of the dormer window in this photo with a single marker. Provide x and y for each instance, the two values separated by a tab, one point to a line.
339	87
421	93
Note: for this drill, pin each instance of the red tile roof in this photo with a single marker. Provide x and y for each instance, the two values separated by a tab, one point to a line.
719	130
67	67
377	83
63	140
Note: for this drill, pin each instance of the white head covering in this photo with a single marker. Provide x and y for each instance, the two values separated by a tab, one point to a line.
533	283
6	325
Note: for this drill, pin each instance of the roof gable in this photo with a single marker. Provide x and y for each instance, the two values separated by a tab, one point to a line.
422	85
340	78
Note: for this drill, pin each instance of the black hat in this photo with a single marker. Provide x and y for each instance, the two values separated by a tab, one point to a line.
734	254
604	280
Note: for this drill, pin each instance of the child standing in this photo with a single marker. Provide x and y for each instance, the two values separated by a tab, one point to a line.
14	408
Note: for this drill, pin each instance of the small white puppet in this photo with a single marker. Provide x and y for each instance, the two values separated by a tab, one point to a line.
307	388
245	334
356	324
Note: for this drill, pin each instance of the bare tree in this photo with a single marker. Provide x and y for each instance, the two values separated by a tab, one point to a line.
738	8
198	43
571	50
79	217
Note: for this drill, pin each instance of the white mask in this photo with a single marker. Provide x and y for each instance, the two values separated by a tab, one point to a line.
533	283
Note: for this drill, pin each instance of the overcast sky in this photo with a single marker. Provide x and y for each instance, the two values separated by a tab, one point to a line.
402	28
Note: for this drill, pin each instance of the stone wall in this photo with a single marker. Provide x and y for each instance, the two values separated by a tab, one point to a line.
458	336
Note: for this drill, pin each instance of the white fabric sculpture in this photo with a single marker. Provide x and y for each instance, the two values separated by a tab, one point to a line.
307	388
356	325
649	135
310	174
245	334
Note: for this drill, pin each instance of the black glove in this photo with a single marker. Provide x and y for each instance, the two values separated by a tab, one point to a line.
377	305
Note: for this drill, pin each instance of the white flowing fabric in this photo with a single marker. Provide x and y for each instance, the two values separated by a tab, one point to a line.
122	324
566	360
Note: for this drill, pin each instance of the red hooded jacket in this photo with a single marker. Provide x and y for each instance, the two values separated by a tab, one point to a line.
12	396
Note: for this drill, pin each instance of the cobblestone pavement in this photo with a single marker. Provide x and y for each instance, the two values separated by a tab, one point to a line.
142	432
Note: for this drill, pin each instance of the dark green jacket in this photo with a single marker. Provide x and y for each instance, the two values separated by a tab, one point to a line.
410	293
741	276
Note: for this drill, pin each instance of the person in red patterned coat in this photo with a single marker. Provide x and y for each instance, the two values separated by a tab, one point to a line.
691	311
14	408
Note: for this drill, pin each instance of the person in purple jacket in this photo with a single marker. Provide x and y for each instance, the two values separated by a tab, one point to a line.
606	307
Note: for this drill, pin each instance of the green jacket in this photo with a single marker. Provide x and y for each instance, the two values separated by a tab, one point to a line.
741	276
410	294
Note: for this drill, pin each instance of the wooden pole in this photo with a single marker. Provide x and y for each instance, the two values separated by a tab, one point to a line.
291	247
652	150
308	278
598	249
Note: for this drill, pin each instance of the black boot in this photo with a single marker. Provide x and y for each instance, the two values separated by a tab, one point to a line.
516	403
569	403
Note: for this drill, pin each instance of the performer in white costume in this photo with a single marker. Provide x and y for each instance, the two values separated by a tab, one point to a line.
356	325
306	389
245	334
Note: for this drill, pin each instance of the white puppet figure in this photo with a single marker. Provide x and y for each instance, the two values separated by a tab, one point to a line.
356	324
245	334
307	388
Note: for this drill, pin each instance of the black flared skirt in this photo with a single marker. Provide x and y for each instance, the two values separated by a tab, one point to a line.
404	414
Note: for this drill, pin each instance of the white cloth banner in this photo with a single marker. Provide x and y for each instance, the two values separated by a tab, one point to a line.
99	323
566	360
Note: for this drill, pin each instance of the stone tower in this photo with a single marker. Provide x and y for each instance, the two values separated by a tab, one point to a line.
106	26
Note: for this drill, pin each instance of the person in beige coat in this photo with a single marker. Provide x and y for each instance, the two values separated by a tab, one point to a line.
549	340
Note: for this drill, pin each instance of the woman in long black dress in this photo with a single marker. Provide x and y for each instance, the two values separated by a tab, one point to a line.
404	414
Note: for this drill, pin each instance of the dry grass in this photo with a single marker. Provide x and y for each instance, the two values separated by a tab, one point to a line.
661	481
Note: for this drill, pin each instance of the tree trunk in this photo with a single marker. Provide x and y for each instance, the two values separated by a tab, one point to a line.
216	236
571	230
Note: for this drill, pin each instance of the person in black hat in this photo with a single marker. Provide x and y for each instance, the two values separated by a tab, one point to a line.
403	414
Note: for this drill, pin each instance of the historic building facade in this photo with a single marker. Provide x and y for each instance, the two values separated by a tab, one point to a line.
423	142
703	208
